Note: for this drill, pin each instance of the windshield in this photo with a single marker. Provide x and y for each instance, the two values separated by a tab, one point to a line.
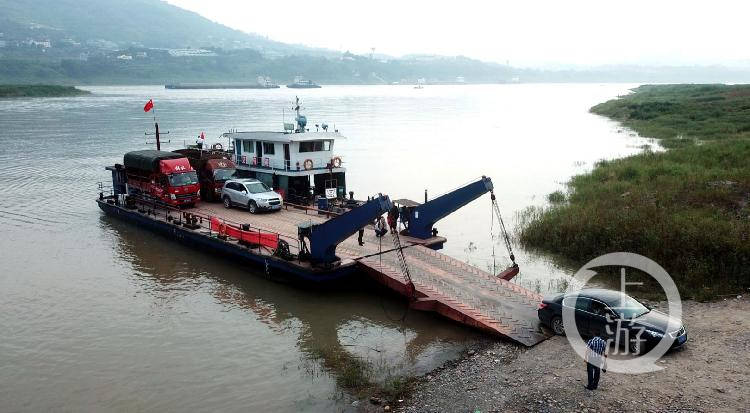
628	307
257	187
221	175
185	178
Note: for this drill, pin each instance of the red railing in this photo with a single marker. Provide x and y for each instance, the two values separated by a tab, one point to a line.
196	220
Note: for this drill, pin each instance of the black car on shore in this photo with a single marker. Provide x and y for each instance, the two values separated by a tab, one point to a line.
606	312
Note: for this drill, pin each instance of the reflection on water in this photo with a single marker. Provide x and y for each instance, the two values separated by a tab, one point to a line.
370	328
100	315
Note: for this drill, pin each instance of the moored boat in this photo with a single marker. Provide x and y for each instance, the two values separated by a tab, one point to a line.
302	83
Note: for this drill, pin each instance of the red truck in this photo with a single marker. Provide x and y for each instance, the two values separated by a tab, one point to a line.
166	176
213	169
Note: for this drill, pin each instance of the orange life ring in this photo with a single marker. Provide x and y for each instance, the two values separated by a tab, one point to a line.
217	146
308	164
336	162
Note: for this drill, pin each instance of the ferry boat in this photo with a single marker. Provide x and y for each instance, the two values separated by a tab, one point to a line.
321	236
302	83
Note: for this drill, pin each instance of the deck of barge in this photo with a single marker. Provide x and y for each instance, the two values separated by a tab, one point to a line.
443	284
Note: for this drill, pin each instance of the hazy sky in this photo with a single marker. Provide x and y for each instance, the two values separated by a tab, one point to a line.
523	32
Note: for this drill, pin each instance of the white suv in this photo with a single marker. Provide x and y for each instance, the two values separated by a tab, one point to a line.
250	193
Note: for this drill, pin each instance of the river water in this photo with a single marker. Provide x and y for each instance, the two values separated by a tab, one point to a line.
96	314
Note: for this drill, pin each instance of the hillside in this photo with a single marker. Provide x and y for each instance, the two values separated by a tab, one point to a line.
151	41
144	23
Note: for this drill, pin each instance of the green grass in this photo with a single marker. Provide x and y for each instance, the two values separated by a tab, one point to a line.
14	91
686	208
360	376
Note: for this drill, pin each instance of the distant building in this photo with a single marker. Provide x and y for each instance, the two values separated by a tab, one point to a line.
191	53
70	42
460	79
141	55
3	43
102	44
45	44
125	57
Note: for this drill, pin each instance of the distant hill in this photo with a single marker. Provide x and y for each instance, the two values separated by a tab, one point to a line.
144	23
152	42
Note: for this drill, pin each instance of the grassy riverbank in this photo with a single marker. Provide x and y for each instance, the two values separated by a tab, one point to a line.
686	208
16	91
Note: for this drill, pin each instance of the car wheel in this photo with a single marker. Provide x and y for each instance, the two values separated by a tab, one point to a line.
557	326
227	202
252	207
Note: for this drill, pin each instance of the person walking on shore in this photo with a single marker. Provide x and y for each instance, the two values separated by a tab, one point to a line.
596	360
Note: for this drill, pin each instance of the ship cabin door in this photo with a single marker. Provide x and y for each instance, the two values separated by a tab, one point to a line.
287	157
258	153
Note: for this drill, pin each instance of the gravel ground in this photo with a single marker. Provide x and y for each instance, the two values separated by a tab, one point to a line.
710	373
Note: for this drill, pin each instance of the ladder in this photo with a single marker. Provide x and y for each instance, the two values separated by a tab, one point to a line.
402	263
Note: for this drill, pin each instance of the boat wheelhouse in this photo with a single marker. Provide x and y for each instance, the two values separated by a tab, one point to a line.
297	163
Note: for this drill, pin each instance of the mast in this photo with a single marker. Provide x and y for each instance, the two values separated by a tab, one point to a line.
158	143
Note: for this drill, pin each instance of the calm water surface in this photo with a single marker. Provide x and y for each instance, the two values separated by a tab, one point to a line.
96	314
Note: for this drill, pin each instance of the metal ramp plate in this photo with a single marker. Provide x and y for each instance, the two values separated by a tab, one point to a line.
462	293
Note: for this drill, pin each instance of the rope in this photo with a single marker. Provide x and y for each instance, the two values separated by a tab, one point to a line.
492	237
504	231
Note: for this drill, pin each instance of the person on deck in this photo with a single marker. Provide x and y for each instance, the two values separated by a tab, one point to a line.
380	229
200	142
596	360
393	218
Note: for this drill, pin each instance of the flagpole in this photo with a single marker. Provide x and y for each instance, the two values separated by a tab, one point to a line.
156	126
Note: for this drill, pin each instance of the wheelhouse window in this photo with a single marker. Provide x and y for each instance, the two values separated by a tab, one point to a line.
268	148
248	147
314	146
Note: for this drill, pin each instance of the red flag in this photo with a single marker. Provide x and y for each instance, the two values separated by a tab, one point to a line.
149	106
202	136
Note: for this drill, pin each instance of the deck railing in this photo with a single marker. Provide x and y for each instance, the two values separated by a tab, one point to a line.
265	162
190	217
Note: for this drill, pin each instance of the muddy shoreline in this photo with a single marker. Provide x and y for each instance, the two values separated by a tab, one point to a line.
710	374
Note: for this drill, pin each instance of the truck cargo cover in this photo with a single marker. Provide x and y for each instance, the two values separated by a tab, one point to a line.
148	160
219	164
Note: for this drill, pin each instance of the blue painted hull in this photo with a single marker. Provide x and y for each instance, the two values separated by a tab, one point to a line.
274	268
